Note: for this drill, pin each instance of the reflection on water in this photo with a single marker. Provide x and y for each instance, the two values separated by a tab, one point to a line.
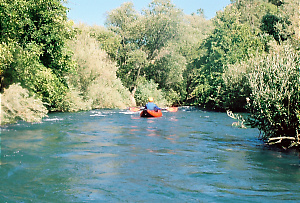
116	156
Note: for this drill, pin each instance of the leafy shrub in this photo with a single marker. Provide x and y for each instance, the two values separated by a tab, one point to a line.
167	71
6	56
95	75
274	101
22	65
149	89
74	101
50	87
17	104
207	91
230	42
43	23
108	94
236	87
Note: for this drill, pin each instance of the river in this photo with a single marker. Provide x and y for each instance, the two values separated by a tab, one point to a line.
116	156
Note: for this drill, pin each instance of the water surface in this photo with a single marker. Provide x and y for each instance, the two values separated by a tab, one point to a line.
116	156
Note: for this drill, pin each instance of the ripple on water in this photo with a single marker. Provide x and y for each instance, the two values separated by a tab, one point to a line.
115	156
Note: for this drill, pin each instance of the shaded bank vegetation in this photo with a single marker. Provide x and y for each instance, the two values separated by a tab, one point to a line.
246	58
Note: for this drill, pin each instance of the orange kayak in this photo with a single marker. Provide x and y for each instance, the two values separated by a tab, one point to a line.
151	113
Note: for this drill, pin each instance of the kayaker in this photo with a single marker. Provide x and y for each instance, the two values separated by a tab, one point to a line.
151	106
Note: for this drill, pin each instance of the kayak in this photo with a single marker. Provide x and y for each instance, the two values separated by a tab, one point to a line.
151	113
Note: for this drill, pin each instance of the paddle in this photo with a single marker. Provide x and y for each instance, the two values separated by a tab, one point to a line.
170	109
135	109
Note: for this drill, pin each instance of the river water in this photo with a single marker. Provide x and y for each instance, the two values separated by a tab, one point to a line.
116	156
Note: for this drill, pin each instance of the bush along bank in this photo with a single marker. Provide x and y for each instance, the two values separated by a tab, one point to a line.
273	102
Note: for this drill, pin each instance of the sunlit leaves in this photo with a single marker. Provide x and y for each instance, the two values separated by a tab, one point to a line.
230	42
108	40
18	104
162	25
146	41
33	35
274	101
149	89
43	22
94	80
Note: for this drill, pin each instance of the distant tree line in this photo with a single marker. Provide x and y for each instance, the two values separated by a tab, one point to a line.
246	58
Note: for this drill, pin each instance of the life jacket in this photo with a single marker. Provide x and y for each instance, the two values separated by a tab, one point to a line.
151	106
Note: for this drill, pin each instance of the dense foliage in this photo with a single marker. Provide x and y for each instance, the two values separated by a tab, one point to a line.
17	104
214	70
94	80
230	42
32	36
153	45
274	101
246	58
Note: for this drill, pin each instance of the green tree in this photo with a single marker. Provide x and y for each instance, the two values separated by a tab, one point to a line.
107	39
274	101
144	41
148	89
229	43
33	34
162	25
283	25
164	35
269	25
195	29
94	81
253	11
125	22
43	22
